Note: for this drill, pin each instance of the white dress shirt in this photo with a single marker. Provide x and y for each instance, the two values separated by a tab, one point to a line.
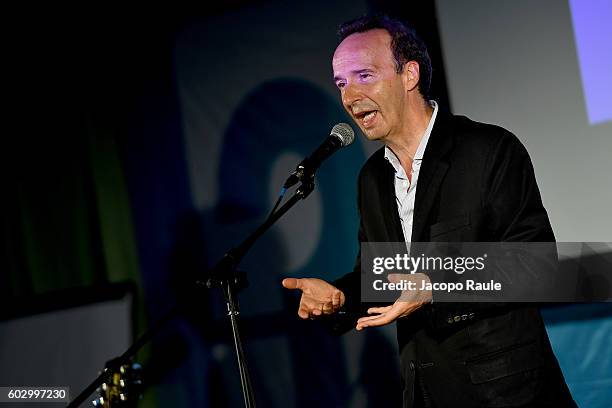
405	189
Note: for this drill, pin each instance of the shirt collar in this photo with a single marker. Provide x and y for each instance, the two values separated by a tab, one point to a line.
392	158
423	144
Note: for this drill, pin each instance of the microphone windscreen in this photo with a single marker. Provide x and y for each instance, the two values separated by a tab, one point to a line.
344	132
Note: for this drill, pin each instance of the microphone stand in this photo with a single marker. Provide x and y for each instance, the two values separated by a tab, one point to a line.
225	275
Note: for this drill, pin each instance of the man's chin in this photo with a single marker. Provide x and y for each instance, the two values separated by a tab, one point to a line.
371	134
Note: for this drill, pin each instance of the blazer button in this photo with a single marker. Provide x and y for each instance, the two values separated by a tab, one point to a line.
411	365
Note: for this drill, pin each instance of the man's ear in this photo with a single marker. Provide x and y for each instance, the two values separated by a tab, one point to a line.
410	75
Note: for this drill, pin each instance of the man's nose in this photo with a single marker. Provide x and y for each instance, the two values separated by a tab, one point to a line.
350	95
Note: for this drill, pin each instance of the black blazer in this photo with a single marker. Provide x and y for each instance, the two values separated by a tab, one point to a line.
476	183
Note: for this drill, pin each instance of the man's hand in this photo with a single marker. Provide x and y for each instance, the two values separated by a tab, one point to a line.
318	296
408	302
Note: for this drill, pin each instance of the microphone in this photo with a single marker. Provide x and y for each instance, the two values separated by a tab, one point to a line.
340	136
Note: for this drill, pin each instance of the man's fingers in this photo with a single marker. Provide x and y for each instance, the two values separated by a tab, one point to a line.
380	320
309	311
303	312
367	318
381	316
318	297
336	298
292	283
312	307
374	321
382	309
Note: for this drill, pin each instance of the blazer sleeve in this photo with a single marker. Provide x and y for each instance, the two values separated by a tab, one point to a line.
515	213
512	197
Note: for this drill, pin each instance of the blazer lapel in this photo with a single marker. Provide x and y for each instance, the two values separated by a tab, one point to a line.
393	224
433	169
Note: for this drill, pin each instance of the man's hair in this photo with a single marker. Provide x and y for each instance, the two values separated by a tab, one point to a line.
405	44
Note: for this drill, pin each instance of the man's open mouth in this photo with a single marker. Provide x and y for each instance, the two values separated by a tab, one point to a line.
366	118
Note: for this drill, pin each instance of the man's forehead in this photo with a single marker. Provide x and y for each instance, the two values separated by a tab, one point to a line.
369	45
368	39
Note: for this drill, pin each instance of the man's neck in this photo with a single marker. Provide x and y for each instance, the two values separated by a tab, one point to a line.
406	144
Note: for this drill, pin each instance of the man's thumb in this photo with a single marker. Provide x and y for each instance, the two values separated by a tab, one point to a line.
292	283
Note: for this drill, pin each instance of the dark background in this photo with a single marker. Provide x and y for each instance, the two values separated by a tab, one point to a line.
98	191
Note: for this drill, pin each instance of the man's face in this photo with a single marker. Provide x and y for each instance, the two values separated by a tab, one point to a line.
372	92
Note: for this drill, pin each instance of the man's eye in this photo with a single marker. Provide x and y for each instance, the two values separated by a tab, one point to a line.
364	75
340	85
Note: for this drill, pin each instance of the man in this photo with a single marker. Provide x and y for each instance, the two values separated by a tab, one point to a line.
475	183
